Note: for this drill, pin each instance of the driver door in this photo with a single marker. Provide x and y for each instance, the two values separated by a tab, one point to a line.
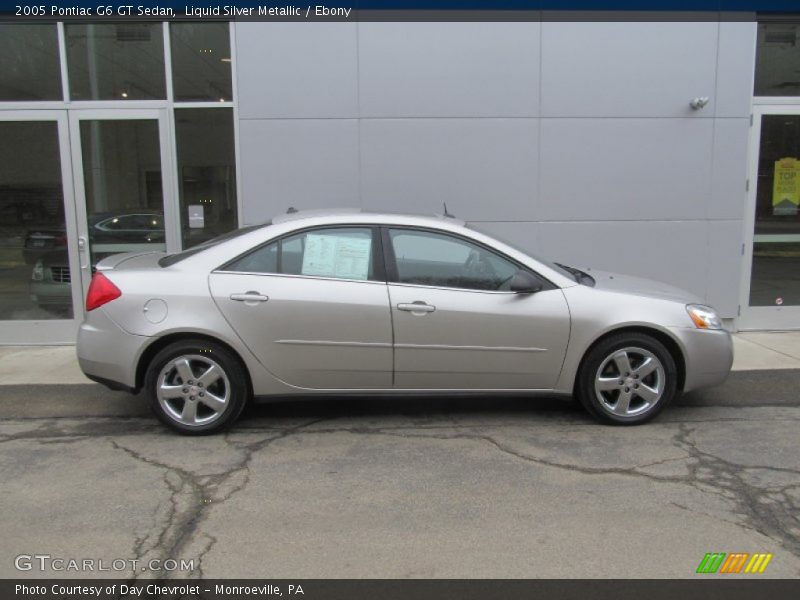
455	324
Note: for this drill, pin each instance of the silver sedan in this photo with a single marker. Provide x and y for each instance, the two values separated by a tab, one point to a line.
346	302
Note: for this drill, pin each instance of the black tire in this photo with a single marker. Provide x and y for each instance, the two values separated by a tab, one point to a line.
200	354
602	404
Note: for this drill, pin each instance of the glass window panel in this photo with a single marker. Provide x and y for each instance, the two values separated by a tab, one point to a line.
201	62
122	178
341	253
116	61
35	278
775	277
207	170
426	258
778	60
29	67
261	260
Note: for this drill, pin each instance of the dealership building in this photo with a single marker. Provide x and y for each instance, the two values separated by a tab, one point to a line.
667	149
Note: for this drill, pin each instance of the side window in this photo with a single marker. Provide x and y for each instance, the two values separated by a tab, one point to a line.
113	224
260	260
343	253
427	258
140	222
137	222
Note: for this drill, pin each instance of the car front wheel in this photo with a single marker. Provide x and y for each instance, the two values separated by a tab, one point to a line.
627	379
196	387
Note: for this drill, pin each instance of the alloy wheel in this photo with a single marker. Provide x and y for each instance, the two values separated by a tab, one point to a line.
629	382
193	389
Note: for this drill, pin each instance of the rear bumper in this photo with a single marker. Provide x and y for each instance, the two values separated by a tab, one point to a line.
112	385
106	353
51	293
708	356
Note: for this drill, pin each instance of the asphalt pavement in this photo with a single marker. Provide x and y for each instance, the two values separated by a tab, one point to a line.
450	488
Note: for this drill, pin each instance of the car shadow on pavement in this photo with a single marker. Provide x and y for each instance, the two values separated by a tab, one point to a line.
408	407
120	410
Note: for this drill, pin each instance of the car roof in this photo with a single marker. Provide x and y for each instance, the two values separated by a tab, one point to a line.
388	217
128	212
285	224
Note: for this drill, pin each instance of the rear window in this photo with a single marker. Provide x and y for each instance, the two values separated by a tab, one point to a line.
176	257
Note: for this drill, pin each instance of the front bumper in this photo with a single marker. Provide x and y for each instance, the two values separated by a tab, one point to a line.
106	353
708	356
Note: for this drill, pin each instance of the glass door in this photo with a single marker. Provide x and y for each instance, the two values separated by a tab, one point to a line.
40	298
123	183
771	290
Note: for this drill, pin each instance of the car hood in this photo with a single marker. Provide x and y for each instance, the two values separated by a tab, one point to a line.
614	282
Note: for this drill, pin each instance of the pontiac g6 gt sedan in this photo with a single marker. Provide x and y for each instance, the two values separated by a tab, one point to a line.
345	302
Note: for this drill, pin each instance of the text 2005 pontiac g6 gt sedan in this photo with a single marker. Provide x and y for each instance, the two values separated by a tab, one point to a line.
344	302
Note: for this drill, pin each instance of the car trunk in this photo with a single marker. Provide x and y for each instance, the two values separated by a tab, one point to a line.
130	260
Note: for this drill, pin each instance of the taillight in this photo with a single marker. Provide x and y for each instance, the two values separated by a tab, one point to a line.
101	291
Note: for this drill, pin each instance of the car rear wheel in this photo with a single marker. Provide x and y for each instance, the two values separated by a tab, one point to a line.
196	387
627	379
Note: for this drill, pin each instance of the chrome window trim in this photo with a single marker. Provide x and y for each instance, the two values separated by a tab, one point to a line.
372	281
452	289
289	275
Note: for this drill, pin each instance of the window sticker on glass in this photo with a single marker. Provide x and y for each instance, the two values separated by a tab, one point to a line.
343	256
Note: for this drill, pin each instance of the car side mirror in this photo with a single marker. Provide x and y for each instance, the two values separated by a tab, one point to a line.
525	283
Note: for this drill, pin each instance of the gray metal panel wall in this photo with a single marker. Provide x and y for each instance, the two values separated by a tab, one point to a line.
574	140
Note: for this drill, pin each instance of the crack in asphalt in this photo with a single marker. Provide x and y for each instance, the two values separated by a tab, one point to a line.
53	428
772	513
191	497
770	510
775	519
706	472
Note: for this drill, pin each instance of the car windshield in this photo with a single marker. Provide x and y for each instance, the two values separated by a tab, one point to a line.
568	272
176	257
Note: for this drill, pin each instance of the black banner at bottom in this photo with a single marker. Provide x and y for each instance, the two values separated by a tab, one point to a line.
732	588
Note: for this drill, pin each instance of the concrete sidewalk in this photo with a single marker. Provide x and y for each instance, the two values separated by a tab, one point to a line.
21	365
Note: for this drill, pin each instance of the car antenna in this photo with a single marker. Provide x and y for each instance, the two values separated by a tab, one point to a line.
291	210
446	213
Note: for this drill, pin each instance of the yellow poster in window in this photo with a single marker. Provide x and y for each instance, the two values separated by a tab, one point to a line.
786	187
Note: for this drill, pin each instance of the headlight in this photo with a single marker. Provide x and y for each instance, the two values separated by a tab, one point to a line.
703	317
38	271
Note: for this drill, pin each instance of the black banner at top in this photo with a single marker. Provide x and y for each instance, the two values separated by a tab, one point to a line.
372	10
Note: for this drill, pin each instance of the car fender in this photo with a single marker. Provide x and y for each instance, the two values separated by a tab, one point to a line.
597	313
189	310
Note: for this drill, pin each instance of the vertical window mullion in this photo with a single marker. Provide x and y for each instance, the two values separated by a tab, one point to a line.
62	61
168	63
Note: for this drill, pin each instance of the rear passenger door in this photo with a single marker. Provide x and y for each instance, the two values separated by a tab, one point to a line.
458	326
313	307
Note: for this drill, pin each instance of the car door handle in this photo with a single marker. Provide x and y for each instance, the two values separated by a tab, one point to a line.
249	297
416	307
